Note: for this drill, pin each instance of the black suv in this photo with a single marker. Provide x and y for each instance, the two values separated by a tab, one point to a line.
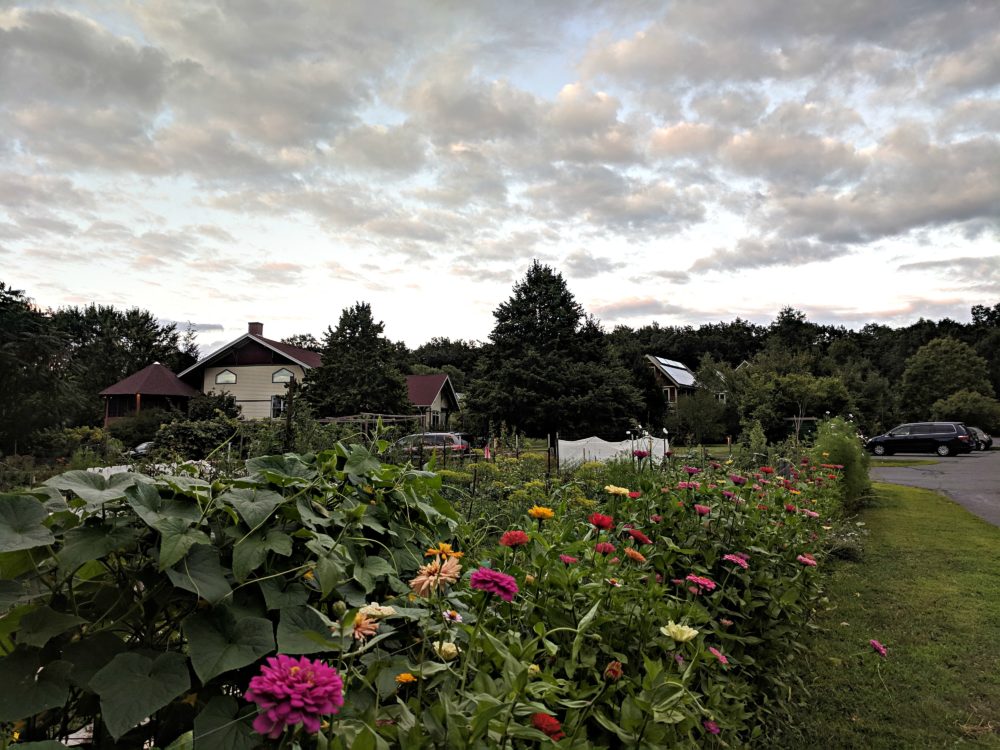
943	438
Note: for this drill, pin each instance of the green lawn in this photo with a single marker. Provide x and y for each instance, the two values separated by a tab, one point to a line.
876	462
928	587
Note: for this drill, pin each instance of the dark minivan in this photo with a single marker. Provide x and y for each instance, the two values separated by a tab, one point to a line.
943	438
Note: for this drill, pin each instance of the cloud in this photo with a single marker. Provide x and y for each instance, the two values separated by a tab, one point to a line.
581	264
281	274
975	272
635	307
183	325
764	253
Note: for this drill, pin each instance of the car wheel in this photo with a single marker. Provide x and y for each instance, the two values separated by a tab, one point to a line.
878	450
943	450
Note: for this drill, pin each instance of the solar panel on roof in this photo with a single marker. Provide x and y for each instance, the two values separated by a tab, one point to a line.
683	376
670	363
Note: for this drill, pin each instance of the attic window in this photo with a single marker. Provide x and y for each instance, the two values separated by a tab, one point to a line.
283	375
226	377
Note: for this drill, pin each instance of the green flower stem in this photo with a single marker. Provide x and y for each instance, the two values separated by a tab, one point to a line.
472	641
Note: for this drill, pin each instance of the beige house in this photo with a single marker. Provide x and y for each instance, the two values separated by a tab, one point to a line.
435	398
254	370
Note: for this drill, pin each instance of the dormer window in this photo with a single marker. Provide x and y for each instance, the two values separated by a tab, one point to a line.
283	375
226	377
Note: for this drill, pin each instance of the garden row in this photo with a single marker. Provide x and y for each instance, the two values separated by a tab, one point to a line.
331	600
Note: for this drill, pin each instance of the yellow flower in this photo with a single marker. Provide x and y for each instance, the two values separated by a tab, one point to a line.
443	550
534	670
541	512
680	633
529	579
308	575
825	454
446	650
613	490
405	678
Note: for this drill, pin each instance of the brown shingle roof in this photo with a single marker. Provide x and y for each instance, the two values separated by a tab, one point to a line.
306	356
423	389
154	380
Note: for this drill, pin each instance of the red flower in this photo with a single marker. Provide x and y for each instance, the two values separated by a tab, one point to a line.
568	559
789	508
604	548
548	725
516	538
639	536
613	672
703	510
766	470
601	521
634	494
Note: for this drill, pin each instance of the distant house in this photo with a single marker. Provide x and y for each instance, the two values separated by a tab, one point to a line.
153	387
254	370
435	398
675	378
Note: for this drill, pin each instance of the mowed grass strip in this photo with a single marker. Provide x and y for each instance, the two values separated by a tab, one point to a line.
928	587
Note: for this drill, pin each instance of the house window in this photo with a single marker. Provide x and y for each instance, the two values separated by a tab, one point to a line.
226	377
283	375
278	404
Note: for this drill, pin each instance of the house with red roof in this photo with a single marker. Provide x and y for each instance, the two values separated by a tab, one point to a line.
435	399
254	370
153	387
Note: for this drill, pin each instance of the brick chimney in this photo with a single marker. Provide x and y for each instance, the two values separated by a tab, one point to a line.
257	329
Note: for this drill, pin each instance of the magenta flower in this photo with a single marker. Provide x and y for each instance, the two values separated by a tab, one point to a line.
879	648
737	480
692	470
736	559
807	559
718	655
494	582
728	494
640	453
701	582
703	510
290	691
711	726
568	559
604	548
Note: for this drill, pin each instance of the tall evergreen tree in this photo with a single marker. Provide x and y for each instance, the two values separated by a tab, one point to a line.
361	370
549	368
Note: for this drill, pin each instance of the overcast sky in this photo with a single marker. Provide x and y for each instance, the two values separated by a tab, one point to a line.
680	162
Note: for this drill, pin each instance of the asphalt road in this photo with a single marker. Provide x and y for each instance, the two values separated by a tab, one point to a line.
971	480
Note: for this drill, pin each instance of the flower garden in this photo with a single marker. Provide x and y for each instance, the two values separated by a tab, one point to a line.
332	600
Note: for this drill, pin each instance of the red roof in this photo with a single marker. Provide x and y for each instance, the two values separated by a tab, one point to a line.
306	356
154	380
423	389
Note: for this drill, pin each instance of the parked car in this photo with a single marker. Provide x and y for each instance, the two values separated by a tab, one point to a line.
142	449
983	441
430	442
943	438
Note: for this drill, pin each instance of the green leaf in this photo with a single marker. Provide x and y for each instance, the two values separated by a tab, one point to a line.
218	641
93	488
361	461
11	593
42	624
288	470
279	595
253	505
184	742
41	745
222	725
133	687
21	523
91	654
580	630
201	574
196	489
302	630
89	542
26	690
251	551
178	537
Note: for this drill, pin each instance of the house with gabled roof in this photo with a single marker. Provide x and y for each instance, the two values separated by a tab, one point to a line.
153	387
254	370
675	378
435	398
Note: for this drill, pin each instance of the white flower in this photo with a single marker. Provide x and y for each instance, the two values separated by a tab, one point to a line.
446	650
680	633
377	611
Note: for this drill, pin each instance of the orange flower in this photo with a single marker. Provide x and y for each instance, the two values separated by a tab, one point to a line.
442	550
436	575
541	513
405	678
635	555
364	627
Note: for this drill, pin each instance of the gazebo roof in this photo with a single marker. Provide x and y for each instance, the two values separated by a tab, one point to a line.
154	380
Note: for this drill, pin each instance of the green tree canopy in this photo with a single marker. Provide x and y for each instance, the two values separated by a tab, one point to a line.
361	370
939	369
970	407
549	368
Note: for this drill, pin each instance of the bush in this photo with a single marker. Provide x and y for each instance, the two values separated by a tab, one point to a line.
839	449
142	427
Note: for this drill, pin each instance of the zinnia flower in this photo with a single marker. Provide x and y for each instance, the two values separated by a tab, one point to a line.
442	550
290	691
364	627
703	510
541	513
548	725
604	548
807	559
635	555
568	559
737	480
680	633
436	575
601	521
639	536
613	672
613	490
635	494
446	650
701	582
711	726
692	470
494	582
377	611
451	615
516	538
879	648
789	508
640	453
718	655
405	678
736	559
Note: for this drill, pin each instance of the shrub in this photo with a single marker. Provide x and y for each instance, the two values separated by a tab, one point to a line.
141	427
839	448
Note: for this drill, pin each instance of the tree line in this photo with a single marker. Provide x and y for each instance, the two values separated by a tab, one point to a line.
547	367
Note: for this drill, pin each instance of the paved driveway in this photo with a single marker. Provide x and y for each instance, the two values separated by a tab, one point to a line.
971	480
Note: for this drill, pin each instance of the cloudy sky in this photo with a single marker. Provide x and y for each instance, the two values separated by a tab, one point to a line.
681	162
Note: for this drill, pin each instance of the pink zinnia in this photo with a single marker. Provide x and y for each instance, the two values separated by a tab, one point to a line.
879	648
692	470
634	494
494	582
737	480
600	521
568	559
789	508
809	513
639	536
604	548
807	559
736	559
701	582
656	518
703	510
290	691
711	726
728	494
516	538
718	655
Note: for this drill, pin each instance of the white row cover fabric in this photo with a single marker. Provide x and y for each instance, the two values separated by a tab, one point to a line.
595	449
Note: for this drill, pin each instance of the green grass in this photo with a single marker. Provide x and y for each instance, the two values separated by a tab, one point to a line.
889	462
928	587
